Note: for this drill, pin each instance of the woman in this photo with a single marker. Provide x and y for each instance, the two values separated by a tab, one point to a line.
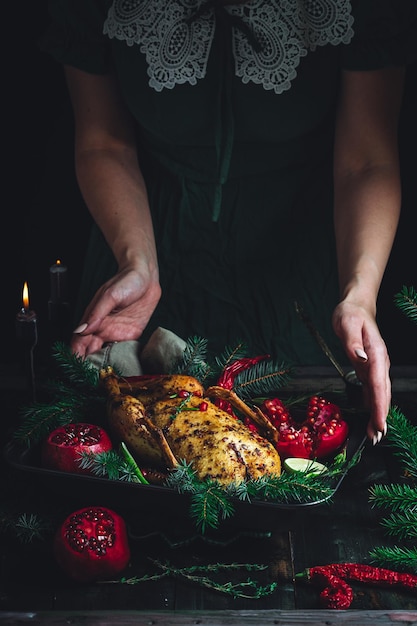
236	158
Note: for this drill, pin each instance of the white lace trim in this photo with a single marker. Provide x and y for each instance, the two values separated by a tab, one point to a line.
177	50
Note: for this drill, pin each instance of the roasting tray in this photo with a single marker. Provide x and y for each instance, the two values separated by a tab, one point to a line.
161	504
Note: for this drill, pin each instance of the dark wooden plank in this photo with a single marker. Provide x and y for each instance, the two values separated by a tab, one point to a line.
214	618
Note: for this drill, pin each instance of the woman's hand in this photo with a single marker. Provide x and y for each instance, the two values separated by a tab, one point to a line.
358	331
119	311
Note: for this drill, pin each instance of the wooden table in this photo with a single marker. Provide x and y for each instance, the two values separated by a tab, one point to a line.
33	589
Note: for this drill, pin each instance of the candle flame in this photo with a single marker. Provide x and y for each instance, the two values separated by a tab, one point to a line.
25	296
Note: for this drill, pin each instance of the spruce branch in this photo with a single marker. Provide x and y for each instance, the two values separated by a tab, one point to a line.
194	359
262	379
230	354
27	527
402	525
74	368
397	557
112	465
38	419
396	497
402	437
212	502
406	301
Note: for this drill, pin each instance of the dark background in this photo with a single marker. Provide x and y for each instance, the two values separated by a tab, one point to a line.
44	216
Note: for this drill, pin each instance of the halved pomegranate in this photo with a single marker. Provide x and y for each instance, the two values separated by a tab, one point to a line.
92	544
62	449
320	435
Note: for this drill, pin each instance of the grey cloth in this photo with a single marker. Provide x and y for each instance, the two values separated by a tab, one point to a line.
127	358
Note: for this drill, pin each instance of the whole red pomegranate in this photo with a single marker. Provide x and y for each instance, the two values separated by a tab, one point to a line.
62	448
320	435
92	544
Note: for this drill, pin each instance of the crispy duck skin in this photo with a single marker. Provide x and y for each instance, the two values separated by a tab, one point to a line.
219	446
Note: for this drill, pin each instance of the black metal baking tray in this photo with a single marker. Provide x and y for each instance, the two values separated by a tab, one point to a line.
161	504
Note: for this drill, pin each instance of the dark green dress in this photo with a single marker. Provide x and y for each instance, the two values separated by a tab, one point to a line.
235	111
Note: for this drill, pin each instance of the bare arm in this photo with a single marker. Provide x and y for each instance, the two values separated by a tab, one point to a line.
113	188
367	209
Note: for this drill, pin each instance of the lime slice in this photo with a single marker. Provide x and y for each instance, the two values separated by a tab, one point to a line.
295	464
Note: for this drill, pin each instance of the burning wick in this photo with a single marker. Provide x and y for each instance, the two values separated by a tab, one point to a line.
26	321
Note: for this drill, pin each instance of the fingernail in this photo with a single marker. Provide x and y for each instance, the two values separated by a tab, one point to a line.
80	329
361	354
377	437
385	429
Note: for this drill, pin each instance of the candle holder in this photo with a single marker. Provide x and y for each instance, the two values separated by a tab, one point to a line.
27	338
58	306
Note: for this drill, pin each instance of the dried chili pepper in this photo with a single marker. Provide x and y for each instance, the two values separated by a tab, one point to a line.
229	374
337	594
367	573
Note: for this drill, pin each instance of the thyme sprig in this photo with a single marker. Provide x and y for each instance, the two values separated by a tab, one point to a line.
197	574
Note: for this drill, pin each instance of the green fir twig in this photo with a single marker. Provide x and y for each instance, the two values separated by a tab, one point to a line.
402	525
211	502
402	437
399	497
396	557
194	360
406	301
112	465
262	379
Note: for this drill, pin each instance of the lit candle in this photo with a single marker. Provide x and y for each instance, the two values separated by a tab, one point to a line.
26	321
58	283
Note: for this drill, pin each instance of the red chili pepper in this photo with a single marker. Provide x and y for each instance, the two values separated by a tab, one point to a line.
368	573
229	374
337	594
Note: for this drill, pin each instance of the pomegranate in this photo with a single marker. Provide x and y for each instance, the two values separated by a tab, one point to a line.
92	544
320	435
62	448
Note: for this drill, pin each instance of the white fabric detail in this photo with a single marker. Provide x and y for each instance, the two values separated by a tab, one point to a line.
177	49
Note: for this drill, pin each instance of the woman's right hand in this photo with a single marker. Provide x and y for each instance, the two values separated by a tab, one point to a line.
119	311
